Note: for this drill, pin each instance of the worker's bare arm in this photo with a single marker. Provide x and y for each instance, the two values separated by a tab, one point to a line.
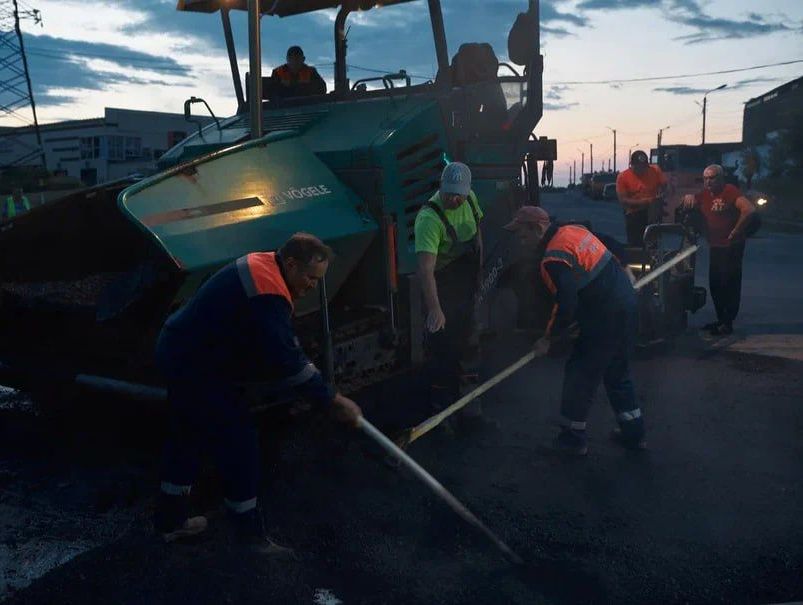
426	273
746	208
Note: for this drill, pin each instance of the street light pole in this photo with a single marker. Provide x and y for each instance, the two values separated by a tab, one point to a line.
591	158
705	103
575	171
582	162
661	134
613	130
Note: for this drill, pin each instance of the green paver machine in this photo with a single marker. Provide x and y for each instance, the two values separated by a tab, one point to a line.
87	281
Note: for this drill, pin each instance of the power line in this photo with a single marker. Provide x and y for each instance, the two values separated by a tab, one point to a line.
16	90
675	77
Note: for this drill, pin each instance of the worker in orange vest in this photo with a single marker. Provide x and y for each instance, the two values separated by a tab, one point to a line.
236	329
590	287
295	78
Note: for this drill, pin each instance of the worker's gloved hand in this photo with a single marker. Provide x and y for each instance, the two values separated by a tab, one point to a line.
436	320
689	201
345	410
541	347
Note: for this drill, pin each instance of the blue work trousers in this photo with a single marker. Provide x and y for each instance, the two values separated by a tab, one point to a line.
209	416
602	355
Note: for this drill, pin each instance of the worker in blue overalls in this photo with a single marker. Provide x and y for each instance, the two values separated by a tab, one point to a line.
237	328
589	286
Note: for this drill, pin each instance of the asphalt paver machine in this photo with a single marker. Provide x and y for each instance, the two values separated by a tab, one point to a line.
87	281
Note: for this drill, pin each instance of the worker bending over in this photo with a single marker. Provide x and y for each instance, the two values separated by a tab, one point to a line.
591	287
448	244
236	329
640	189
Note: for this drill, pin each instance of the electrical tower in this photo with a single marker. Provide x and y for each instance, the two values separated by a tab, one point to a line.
16	92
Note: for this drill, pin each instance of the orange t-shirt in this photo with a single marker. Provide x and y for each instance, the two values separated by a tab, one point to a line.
643	187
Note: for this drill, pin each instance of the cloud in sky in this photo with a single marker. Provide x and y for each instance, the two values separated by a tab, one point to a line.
554	98
691	90
690	13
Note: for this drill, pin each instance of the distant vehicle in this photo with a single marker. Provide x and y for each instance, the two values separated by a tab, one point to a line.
585	183
598	182
609	192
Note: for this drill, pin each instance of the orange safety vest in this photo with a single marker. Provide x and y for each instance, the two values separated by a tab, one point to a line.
287	78
260	274
578	248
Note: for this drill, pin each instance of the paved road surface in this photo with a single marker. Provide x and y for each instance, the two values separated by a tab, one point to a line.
711	513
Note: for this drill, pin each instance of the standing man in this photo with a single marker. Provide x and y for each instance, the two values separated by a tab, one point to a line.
237	328
589	286
727	215
448	244
639	188
295	78
16	203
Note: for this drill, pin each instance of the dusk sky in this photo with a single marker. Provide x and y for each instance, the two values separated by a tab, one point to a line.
143	54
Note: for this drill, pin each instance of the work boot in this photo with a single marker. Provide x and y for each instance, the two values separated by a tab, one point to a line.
723	329
172	519
711	328
571	441
249	531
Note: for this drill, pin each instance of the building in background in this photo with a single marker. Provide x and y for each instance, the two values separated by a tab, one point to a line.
776	110
123	142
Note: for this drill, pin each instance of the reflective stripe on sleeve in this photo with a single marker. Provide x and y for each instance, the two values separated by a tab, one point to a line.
573	424
246	278
241	507
307	372
171	489
631	415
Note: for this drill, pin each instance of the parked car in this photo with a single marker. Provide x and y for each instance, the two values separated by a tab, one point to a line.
598	182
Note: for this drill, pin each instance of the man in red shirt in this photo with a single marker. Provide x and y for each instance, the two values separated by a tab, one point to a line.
638	188
727	214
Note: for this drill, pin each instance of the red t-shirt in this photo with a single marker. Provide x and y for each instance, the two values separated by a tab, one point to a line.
642	187
721	214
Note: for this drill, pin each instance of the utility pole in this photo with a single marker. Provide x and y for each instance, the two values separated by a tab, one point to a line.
591	158
705	104
613	130
575	171
16	91
582	162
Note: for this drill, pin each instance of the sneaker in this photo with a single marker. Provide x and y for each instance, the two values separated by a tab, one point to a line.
572	442
250	532
191	527
630	443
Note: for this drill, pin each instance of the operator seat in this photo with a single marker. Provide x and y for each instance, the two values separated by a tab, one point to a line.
474	68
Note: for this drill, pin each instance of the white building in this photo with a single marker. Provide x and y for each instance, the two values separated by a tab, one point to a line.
123	142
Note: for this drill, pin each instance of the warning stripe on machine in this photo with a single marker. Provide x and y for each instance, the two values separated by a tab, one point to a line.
183	214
